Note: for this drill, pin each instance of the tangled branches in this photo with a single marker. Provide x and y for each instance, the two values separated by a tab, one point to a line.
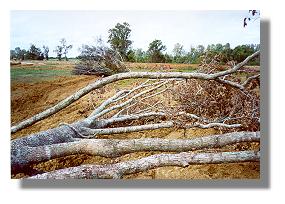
226	99
211	99
99	60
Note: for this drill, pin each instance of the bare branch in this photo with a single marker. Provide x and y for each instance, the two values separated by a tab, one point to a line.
107	102
150	107
141	86
249	79
93	117
102	82
235	84
231	83
91	133
140	101
211	125
124	118
117	170
193	116
236	67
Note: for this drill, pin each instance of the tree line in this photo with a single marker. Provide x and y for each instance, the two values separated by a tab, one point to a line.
36	53
119	41
194	55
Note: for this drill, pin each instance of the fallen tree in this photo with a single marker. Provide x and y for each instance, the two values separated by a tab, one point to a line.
114	148
116	171
151	75
99	60
142	107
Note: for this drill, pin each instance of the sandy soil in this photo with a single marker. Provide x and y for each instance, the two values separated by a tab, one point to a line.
28	99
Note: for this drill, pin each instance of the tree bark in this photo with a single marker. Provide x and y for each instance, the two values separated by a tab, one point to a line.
102	82
26	155
66	139
117	170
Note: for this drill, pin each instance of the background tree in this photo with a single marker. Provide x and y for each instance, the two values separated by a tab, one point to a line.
194	57
155	51
66	47
168	58
119	39
62	49
178	53
200	49
242	51
131	55
12	55
18	53
140	55
58	50
227	53
34	53
46	51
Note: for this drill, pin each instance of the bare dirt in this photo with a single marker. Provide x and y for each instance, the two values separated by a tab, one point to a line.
28	99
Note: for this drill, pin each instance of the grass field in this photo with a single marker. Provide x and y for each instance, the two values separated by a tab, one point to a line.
35	71
33	75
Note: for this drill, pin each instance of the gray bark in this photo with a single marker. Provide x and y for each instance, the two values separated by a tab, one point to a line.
117	170
92	133
237	85
67	139
102	82
26	155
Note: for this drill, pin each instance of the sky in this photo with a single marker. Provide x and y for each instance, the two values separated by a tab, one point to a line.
189	28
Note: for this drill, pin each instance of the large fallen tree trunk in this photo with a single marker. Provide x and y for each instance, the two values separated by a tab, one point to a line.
27	155
151	75
117	170
118	114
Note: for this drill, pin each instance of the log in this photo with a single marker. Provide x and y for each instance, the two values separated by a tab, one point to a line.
116	171
102	82
26	155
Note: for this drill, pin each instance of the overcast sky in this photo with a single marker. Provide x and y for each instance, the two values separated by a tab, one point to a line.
189	28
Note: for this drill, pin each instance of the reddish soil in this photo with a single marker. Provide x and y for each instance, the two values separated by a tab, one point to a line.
28	99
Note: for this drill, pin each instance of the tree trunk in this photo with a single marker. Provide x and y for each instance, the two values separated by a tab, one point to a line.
102	82
117	170
24	153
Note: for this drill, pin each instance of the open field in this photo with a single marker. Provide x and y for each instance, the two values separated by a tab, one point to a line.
37	87
31	71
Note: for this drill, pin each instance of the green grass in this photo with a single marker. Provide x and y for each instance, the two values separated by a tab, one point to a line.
182	69
34	75
125	83
186	69
41	66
